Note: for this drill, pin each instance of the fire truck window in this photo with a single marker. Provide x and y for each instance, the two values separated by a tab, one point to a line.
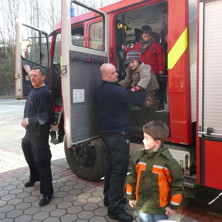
44	51
57	48
77	36
56	86
34	46
25	48
32	50
153	15
96	36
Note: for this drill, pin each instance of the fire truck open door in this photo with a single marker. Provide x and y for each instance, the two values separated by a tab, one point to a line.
210	95
80	72
31	49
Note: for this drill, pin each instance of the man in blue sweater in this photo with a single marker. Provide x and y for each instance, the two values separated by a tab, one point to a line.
37	117
113	102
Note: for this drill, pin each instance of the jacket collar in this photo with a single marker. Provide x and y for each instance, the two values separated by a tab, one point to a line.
161	151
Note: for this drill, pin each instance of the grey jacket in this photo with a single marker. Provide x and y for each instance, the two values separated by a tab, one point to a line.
142	77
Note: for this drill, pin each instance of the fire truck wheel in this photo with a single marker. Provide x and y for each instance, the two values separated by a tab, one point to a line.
87	160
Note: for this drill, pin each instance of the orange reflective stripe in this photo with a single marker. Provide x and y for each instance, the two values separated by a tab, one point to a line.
163	190
137	185
141	166
167	173
176	199
157	170
162	170
128	189
163	183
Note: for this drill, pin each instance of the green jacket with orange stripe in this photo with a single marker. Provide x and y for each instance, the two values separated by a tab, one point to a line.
155	182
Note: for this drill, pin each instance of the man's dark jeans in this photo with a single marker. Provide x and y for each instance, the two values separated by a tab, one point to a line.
38	156
117	160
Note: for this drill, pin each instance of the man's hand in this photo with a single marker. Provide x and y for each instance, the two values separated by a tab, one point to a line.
169	211
25	122
132	203
27	69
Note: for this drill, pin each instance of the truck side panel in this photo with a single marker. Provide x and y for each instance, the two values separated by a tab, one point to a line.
179	73
209	145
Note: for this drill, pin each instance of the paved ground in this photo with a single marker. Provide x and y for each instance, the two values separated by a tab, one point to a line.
74	199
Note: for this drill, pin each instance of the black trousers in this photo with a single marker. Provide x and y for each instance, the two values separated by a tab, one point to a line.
35	147
161	94
117	161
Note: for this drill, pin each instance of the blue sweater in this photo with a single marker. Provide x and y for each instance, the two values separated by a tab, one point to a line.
38	109
113	102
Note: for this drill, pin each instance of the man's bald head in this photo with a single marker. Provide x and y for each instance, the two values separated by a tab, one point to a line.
104	68
108	72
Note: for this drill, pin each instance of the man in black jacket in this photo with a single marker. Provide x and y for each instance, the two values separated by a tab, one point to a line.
113	102
37	117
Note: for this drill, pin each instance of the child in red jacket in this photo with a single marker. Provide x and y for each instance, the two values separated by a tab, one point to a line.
151	52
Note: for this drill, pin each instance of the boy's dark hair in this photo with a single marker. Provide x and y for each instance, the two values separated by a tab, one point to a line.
157	130
146	29
42	72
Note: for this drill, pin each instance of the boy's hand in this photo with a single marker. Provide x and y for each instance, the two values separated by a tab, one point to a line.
135	88
132	203
123	47
169	211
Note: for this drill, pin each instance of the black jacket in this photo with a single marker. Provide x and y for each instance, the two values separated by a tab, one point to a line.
113	102
38	109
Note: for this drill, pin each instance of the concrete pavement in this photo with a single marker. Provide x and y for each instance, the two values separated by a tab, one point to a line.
74	199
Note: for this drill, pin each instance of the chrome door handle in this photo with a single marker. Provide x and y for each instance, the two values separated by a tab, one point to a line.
210	134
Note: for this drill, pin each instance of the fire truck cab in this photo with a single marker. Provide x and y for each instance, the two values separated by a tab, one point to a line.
187	30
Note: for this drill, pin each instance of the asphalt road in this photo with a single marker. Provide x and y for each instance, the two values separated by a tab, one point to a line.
11	114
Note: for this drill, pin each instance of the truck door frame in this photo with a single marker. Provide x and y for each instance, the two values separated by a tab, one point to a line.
22	82
73	52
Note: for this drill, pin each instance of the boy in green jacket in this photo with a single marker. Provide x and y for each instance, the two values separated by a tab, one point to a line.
155	184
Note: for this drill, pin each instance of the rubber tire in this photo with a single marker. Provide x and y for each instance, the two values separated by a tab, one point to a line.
94	173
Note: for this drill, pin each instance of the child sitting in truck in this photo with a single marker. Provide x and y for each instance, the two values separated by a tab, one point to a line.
140	77
152	54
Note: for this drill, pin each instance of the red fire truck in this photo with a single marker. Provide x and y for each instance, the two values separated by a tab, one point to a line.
189	33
